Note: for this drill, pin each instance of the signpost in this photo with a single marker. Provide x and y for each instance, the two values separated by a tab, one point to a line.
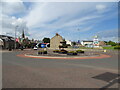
43	46
96	41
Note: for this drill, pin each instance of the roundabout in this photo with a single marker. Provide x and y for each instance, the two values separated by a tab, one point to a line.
98	56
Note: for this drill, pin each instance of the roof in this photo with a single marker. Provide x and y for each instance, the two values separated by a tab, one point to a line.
5	37
87	41
57	35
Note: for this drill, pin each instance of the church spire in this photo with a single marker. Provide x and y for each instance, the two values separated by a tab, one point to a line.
23	35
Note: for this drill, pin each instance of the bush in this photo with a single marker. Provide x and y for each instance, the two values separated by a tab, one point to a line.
63	51
42	52
72	53
79	51
56	51
117	47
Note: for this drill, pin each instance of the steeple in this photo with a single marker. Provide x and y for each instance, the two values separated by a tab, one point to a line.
23	35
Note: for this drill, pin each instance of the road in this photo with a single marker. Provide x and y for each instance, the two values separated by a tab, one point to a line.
19	72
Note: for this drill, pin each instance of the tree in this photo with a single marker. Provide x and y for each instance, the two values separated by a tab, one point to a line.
46	40
111	43
74	43
105	42
64	45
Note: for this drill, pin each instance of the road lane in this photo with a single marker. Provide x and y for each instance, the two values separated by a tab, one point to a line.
31	72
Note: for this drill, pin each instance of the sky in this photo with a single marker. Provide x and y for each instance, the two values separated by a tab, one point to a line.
72	20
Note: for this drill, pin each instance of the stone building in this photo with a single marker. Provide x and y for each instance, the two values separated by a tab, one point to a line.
55	42
102	43
1	43
7	41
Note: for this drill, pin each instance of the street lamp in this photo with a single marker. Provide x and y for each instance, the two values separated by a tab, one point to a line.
16	26
15	35
78	31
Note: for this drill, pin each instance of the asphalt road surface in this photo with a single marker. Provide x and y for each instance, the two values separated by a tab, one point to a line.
19	72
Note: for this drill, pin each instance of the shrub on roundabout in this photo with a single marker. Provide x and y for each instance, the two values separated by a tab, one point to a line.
79	51
56	51
63	51
42	52
68	52
60	51
72	53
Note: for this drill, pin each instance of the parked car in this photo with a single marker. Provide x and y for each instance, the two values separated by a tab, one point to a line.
35	48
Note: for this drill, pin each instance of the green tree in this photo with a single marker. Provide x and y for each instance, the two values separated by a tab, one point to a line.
74	43
111	43
46	40
64	45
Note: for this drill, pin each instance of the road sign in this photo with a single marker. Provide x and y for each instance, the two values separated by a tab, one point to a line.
43	46
95	42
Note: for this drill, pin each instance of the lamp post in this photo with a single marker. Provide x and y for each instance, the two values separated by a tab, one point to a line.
15	35
14	24
79	36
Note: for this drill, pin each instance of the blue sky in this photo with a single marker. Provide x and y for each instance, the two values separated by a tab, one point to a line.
72	20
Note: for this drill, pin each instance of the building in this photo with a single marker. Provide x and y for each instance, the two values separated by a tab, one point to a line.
1	43
92	43
55	42
7	41
68	42
87	43
102	43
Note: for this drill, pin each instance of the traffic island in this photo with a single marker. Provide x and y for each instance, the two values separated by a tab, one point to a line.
57	55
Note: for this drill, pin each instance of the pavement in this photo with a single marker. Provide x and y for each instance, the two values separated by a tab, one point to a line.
21	72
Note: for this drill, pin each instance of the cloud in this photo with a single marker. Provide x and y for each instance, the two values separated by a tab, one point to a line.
115	39
107	35
100	7
10	8
42	13
54	16
10	23
68	17
45	18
